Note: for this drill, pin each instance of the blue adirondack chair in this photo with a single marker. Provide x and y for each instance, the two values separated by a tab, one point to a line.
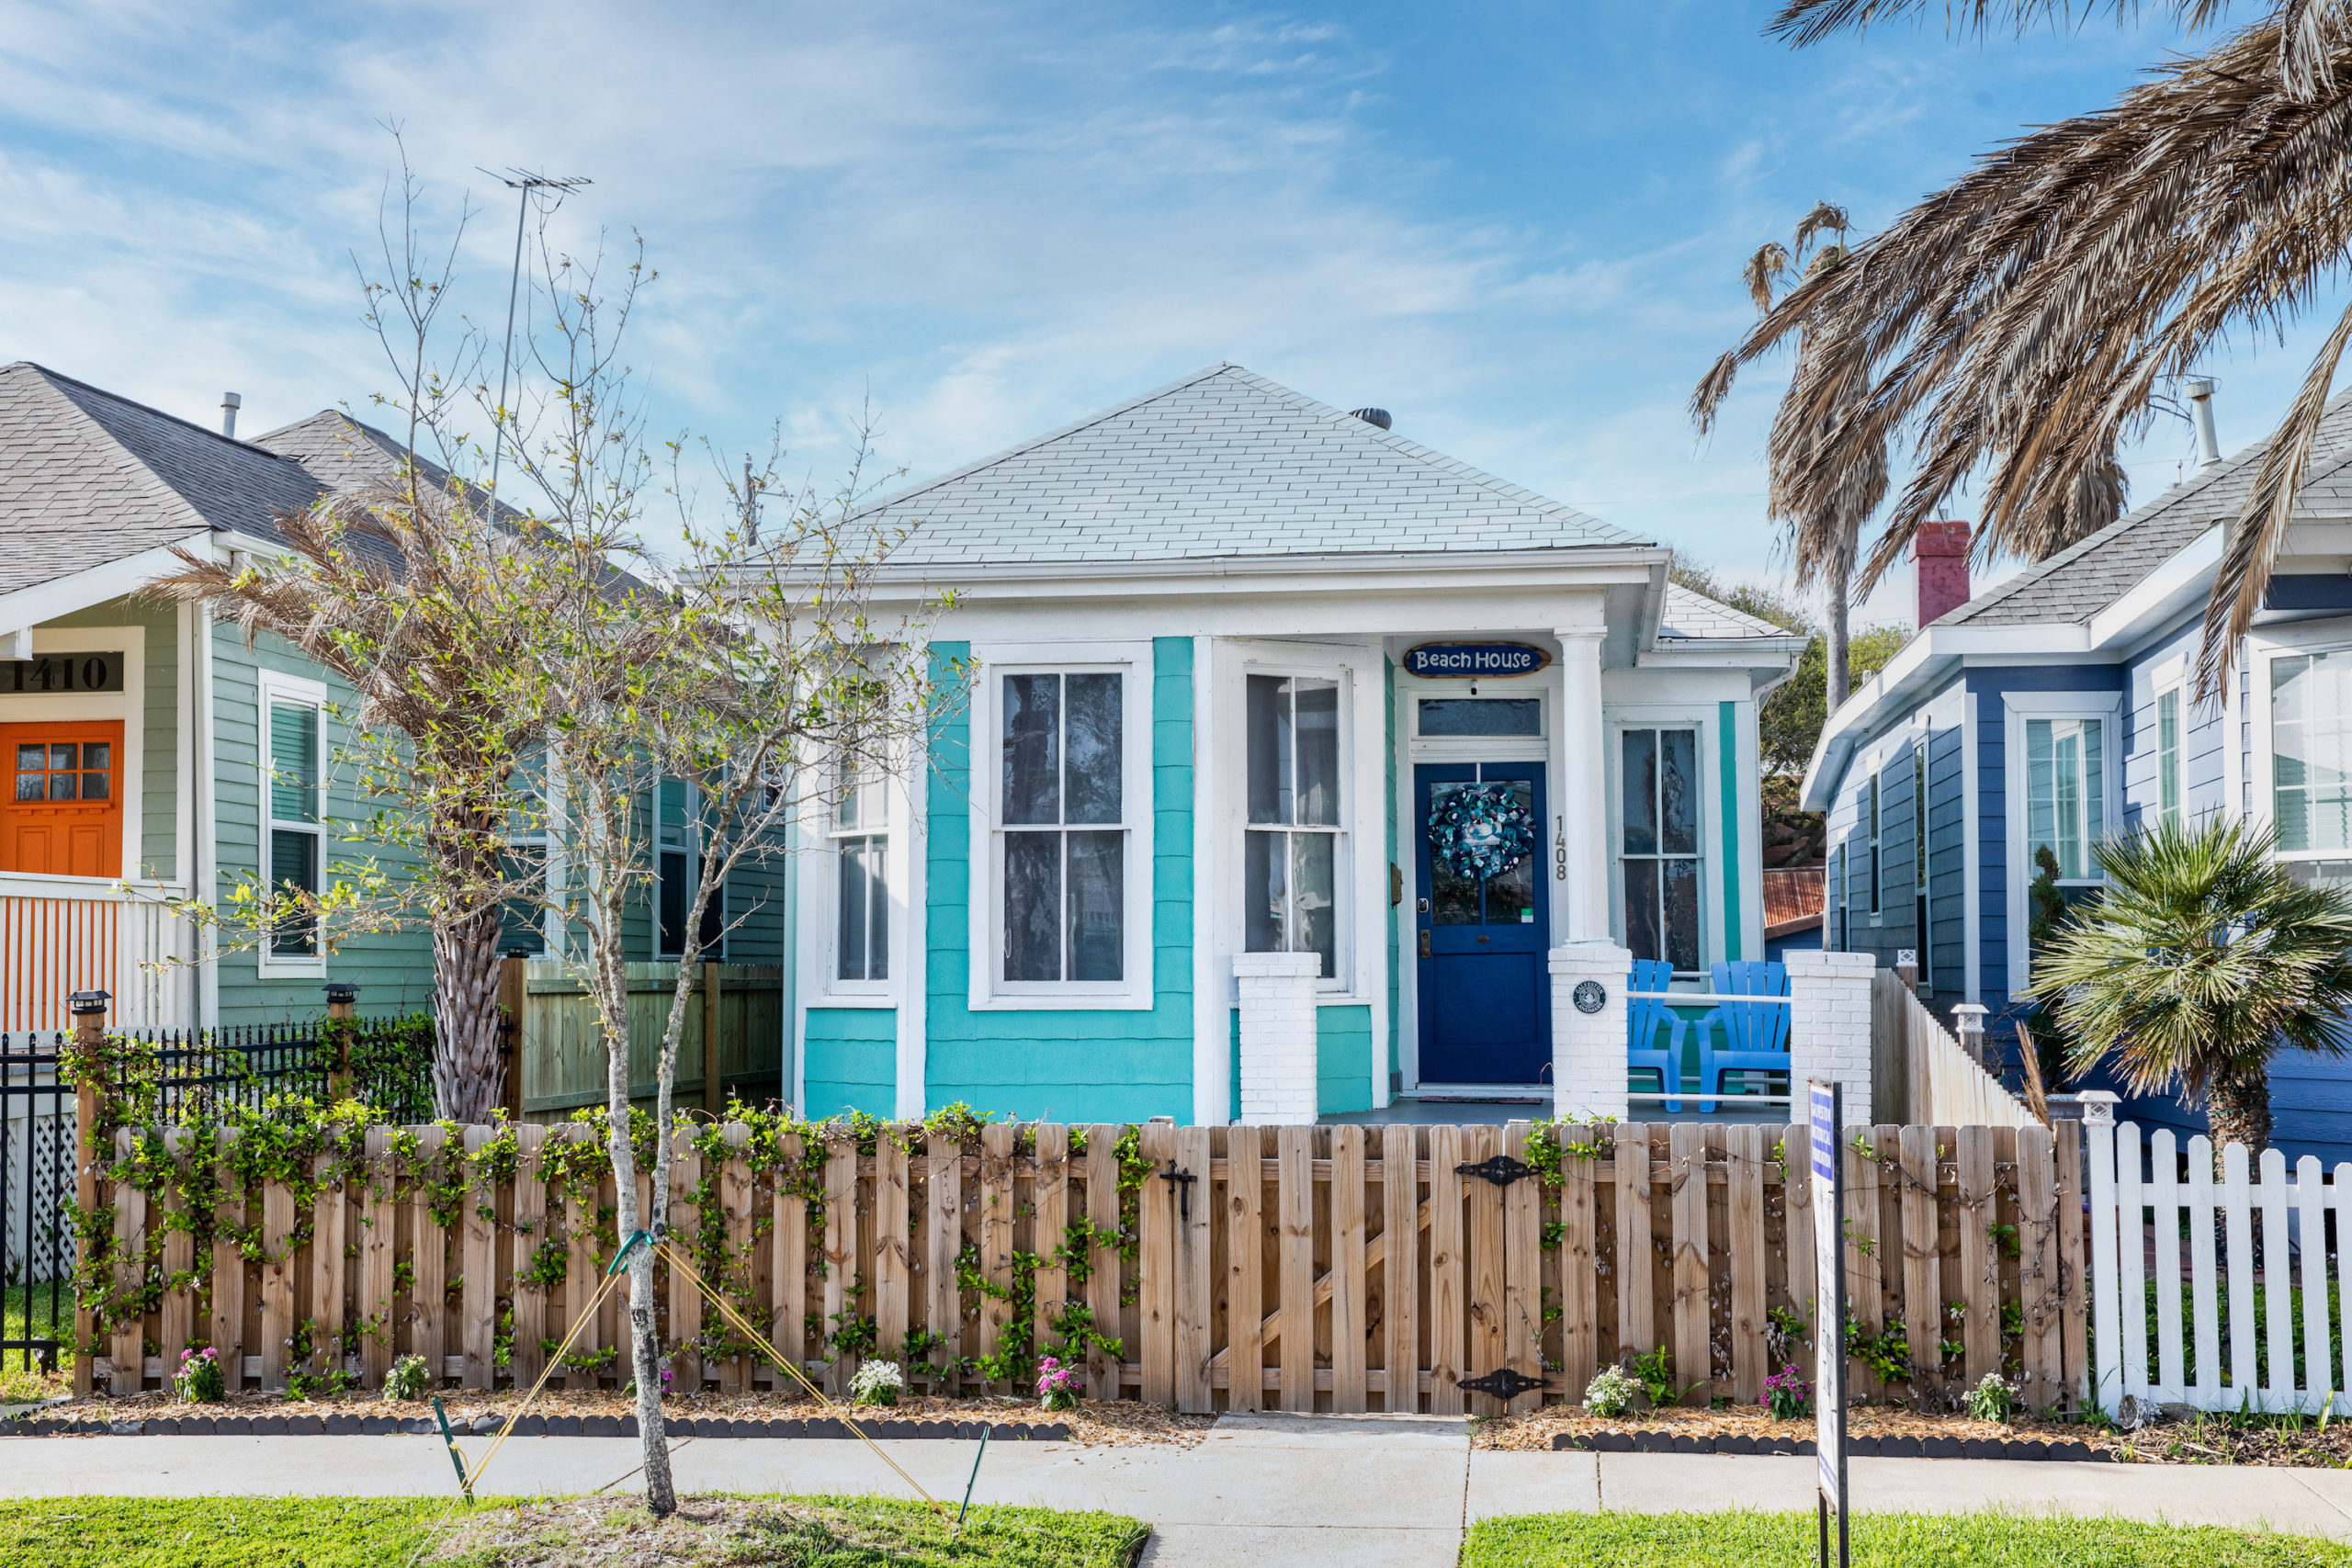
1755	1035
1645	1017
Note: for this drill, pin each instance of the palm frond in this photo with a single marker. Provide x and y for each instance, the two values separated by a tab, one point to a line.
1803	22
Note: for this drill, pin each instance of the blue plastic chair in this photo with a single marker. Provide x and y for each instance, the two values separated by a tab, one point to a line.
1645	1016
1755	1035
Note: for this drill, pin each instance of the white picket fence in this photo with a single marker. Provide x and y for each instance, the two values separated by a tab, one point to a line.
2164	1230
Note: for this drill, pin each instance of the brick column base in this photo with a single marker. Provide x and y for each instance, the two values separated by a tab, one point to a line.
1278	1035
1589	1048
1830	1026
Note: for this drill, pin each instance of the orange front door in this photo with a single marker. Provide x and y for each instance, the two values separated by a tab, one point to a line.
61	813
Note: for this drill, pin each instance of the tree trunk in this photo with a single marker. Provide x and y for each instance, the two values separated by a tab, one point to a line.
469	1079
2238	1105
1840	678
645	1348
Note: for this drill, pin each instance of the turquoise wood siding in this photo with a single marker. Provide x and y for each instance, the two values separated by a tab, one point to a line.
1342	1055
1073	1066
853	1061
394	972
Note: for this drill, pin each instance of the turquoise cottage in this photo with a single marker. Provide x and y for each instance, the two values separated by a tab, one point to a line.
1283	730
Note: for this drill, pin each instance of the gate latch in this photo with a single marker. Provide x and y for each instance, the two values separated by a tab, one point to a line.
1501	1169
1505	1384
1182	1181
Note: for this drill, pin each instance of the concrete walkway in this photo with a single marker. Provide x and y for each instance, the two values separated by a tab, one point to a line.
1372	1492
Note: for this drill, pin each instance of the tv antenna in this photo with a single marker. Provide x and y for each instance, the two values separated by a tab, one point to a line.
523	183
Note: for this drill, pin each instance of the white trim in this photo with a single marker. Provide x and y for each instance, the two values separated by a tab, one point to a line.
1404	917
2263	649
1133	992
2016	708
128	707
66	595
1707	720
1213	1086
271	686
910	931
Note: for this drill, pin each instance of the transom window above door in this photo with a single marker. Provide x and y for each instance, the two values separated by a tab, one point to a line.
1291	852
1061	819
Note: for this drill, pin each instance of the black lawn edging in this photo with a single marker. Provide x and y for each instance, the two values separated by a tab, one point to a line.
340	1424
1855	1448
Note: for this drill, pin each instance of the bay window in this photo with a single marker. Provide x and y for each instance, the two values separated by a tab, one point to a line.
1291	860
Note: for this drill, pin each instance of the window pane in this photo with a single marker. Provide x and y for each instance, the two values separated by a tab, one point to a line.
1265	891
1033	906
854	918
1481	716
1681	900
2094	793
1318	752
1454	898
294	863
845	792
2311	743
1268	746
60	786
1677	791
1642	933
61	756
1919	827
1092	737
2067	764
1097	906
1640	791
1033	784
29	786
1316	930
98	754
2168	754
2040	790
877	906
673	901
31	759
94	786
1510	897
293	763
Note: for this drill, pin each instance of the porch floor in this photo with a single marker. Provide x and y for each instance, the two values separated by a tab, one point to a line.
1493	1112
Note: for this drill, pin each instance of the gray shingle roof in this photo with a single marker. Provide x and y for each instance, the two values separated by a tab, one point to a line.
1222	464
1690	614
2075	584
86	478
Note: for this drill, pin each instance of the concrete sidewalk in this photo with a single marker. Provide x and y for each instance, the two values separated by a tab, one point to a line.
1374	1492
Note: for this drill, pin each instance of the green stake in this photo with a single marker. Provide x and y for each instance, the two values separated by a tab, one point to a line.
636	1239
459	1460
967	1509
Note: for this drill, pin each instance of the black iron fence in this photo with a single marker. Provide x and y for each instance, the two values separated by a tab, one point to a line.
174	1077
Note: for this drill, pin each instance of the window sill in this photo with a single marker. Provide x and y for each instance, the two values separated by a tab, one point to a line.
854	999
291	969
1047	1003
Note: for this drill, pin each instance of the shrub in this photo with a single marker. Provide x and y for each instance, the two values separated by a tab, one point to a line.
1056	1385
199	1380
878	1383
1788	1393
1611	1393
409	1379
1994	1399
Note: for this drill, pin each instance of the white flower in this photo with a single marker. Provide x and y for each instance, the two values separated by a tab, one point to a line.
875	1377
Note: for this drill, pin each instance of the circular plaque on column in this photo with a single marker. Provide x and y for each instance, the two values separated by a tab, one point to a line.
1589	995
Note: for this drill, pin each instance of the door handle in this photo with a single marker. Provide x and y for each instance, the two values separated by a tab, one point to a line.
1425	941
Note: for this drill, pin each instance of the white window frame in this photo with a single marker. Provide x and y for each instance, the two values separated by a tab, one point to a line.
274	688
2261	652
895	834
2017	707
1706	721
1872	829
2169	768
988	991
1342	980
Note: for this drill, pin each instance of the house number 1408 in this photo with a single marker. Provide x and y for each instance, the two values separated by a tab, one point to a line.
1560	848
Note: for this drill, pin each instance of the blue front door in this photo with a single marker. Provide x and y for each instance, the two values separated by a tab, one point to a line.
1484	988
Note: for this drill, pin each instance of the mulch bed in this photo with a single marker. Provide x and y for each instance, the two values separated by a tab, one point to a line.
605	1414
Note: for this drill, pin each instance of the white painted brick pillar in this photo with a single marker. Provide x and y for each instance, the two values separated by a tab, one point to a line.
1589	1048
1830	1025
1277	1035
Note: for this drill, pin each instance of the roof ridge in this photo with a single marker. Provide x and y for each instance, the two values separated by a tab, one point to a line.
239	443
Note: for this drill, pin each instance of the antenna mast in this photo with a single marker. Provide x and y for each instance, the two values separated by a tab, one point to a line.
523	184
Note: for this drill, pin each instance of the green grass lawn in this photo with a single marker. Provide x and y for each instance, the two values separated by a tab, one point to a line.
25	1314
344	1532
1878	1541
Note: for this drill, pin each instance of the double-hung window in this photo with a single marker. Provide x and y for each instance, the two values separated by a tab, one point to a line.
1659	798
1292	855
861	838
677	843
2310	762
2065	794
1869	832
293	742
1062	826
2168	755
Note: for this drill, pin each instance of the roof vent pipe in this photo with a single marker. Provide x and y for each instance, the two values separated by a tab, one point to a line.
1371	416
230	405
2200	402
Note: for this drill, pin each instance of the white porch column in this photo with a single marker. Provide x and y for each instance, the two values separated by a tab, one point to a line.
1277	1035
1830	1025
1584	790
1589	1046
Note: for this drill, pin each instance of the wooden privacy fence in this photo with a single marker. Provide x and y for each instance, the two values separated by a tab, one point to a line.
733	1023
1342	1269
2218	1290
1920	1073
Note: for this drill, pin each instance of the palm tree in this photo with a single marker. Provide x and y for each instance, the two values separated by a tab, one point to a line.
2202	961
1824	529
2020	322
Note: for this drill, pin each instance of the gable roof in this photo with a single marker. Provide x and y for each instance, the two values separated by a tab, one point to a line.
88	476
1221	464
1691	615
2076	583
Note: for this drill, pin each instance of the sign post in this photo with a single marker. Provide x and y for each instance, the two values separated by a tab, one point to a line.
1825	1102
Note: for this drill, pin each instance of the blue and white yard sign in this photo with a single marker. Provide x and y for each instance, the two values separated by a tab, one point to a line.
1822	1101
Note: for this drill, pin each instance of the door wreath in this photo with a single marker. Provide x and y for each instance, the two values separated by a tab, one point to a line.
1481	830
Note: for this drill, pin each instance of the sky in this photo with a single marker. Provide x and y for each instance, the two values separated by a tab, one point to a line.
1517	226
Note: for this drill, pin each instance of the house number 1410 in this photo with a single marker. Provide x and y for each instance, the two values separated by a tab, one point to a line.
1560	848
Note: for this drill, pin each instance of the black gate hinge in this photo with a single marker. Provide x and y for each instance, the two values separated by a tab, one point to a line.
1506	1383
1501	1169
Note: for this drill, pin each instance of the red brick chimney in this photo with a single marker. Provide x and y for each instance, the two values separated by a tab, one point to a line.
1939	554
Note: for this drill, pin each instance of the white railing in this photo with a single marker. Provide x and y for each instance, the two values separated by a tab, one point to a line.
63	934
2200	1247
